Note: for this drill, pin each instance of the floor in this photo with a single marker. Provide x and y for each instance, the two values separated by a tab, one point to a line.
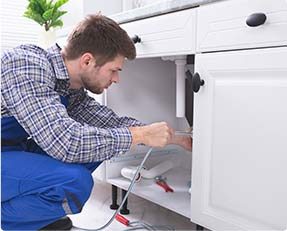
96	212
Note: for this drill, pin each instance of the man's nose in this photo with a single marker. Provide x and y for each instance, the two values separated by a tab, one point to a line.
116	78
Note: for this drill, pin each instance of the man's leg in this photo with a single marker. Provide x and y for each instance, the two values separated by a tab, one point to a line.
38	190
33	147
92	166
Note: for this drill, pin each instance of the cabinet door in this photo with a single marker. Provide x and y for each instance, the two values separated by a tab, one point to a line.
239	165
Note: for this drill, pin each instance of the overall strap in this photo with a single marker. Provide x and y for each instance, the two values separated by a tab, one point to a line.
65	100
13	134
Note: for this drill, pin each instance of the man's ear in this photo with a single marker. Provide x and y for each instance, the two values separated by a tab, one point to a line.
86	60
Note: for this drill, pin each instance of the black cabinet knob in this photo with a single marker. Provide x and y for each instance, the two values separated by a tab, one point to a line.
256	19
136	39
196	82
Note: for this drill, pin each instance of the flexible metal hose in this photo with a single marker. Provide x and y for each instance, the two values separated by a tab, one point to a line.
126	196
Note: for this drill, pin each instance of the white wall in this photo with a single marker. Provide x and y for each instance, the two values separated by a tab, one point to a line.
74	14
78	9
146	91
107	7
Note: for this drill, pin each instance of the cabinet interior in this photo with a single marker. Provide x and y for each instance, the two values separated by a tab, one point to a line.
147	91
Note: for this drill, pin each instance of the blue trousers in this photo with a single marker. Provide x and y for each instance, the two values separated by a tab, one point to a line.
38	190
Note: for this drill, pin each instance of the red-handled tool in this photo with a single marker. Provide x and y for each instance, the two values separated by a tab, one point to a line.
164	186
162	183
122	219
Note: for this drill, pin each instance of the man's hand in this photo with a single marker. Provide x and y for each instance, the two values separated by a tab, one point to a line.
154	135
159	135
183	141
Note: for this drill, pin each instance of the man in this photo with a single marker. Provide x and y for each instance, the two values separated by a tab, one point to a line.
53	134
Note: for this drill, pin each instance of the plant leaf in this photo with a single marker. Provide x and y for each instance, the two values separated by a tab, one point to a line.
36	17
33	6
58	14
59	3
45	12
50	4
39	6
57	23
47	16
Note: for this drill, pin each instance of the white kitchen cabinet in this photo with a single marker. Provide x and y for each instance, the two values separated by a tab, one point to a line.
239	150
239	157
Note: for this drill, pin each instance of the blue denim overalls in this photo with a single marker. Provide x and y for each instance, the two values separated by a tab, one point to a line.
37	189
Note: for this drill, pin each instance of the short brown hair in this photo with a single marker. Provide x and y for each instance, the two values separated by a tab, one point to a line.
102	37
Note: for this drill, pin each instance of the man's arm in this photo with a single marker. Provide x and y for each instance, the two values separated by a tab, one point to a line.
156	134
39	111
37	107
87	110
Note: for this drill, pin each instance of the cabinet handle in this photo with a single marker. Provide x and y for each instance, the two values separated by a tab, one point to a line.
136	39
256	19
196	82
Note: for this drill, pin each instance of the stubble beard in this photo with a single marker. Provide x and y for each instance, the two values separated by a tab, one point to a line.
94	89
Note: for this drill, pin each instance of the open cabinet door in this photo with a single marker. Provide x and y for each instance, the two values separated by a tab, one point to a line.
239	165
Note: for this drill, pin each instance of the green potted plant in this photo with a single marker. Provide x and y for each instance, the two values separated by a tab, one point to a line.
47	13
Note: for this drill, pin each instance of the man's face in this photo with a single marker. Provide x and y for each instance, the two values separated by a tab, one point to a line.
96	78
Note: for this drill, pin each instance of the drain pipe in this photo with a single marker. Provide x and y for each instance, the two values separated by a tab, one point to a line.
180	62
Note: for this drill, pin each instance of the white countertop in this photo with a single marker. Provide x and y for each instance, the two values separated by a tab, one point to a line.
157	9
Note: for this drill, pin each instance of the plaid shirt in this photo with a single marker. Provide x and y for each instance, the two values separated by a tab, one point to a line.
32	81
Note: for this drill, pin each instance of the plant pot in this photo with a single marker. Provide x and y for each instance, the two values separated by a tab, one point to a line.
46	38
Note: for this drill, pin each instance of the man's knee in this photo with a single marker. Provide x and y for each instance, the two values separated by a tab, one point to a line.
80	184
